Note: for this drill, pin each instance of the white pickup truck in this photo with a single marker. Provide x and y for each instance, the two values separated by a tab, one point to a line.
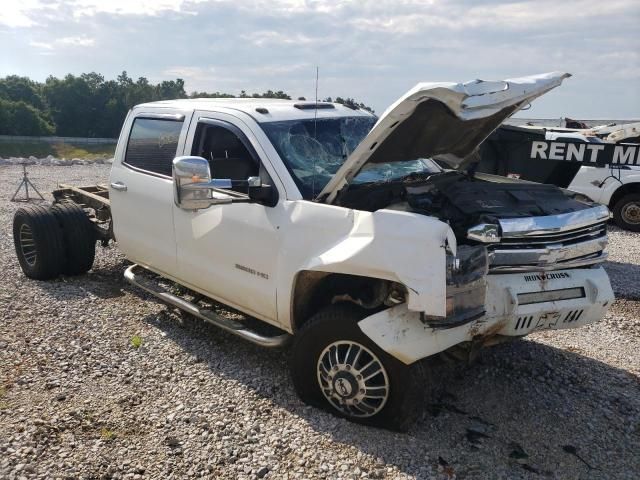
336	231
618	186
612	178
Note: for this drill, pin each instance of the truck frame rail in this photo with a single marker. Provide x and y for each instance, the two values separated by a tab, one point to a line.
94	199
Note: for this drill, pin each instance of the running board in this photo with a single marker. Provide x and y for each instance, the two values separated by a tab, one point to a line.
231	326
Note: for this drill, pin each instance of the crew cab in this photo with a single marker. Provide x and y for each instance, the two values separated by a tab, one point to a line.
324	227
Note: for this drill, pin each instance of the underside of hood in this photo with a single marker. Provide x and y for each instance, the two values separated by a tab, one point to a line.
445	121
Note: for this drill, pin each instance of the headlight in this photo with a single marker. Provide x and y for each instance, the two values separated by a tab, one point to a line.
466	285
470	264
485	233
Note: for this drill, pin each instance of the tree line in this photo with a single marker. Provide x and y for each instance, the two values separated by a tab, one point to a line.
90	106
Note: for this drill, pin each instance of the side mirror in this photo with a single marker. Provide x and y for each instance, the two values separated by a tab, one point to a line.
258	192
193	187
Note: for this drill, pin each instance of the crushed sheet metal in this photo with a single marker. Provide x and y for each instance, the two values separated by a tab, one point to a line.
381	245
476	100
401	333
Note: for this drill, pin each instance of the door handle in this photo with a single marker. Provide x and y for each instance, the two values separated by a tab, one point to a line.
121	187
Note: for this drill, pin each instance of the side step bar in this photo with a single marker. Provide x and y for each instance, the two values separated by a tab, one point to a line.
231	326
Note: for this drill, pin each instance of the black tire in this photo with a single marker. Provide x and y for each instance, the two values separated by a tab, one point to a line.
79	238
626	212
37	237
408	385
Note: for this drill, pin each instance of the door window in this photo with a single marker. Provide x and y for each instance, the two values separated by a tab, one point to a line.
227	153
153	144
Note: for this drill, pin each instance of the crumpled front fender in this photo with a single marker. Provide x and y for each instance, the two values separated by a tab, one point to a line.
405	247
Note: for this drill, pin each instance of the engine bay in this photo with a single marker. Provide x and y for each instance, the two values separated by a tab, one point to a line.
461	199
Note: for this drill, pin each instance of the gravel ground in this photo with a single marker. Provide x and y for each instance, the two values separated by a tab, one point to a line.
79	400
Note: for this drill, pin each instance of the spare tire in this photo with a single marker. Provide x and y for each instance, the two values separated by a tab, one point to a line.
38	240
79	237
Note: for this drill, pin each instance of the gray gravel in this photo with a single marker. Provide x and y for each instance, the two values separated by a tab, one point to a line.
78	400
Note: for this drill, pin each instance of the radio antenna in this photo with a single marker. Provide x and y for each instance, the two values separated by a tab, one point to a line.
315	136
315	116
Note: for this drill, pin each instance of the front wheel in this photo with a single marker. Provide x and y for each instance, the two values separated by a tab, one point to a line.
626	212
338	368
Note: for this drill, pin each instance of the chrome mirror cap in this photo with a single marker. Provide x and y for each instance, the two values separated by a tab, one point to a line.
485	233
254	182
187	173
193	187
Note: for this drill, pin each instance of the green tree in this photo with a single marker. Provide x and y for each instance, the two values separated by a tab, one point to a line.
90	106
272	94
351	103
20	118
210	95
71	104
170	89
23	89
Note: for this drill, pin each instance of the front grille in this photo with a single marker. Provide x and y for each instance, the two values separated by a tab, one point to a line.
564	238
544	250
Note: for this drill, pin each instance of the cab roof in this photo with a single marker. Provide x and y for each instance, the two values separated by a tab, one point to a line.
262	109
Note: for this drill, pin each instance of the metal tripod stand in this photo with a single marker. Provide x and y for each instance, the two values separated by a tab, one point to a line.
26	182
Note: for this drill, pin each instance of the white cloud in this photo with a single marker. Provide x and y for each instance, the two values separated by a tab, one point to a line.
187	72
18	14
372	50
41	45
27	13
270	37
63	42
80	41
127	7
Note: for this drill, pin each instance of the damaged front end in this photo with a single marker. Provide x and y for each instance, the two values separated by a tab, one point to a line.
491	278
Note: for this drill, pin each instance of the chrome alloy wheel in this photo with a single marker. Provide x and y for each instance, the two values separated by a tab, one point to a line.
353	379
28	245
631	213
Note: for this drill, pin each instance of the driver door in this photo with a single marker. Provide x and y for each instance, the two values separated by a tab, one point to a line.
230	251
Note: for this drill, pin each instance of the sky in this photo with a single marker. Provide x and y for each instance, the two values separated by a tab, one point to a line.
372	51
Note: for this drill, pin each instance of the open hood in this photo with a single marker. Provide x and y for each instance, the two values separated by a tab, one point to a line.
446	121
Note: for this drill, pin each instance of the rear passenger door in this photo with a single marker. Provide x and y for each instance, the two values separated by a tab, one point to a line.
141	187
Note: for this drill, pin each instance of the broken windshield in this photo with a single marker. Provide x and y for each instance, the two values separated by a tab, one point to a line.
314	150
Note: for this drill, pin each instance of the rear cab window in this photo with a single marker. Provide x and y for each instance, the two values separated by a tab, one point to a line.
152	144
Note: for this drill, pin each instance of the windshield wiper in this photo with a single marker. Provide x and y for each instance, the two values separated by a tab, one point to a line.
417	176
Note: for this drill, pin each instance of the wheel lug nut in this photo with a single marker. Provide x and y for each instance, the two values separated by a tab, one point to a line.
359	377
362	390
348	367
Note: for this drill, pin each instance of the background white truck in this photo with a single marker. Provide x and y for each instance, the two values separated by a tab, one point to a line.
615	184
319	225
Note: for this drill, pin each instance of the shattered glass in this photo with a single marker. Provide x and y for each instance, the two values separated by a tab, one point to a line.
386	172
314	150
